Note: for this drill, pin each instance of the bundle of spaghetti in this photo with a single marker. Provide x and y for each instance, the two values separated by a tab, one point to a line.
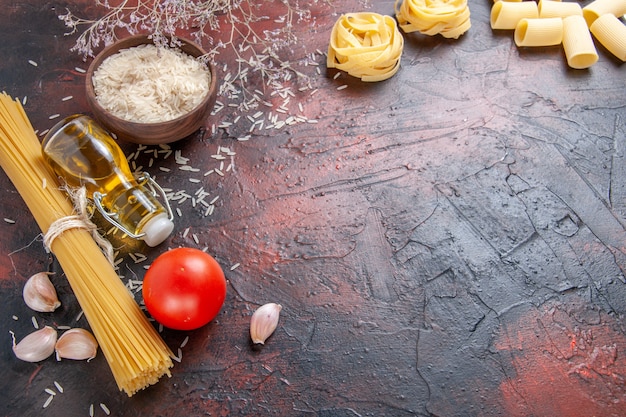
137	355
449	18
365	45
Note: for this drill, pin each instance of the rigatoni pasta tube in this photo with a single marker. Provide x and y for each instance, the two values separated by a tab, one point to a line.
506	15
137	355
597	8
551	8
577	43
611	33
539	32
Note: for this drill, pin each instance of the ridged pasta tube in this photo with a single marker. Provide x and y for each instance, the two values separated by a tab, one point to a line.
577	43
597	8
611	33
365	45
449	18
539	32
506	14
551	8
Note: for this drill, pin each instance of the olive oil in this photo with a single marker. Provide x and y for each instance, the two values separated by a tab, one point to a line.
83	154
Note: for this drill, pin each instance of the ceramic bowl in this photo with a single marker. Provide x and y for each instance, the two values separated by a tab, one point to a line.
151	133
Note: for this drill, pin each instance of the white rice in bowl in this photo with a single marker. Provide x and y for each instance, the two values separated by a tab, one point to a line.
146	84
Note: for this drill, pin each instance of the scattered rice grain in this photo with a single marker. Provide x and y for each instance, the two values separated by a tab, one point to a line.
105	409
59	387
235	266
341	87
48	401
140	257
184	342
10	221
33	63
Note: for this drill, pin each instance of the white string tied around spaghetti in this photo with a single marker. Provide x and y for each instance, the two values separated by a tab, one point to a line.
80	220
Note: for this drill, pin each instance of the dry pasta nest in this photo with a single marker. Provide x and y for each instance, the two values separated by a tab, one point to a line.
366	45
449	18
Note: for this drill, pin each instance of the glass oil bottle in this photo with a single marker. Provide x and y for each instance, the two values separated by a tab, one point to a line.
84	154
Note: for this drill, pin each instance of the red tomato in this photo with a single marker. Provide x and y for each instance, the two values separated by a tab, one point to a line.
184	288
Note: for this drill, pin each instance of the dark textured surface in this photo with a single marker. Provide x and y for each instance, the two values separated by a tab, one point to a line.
450	242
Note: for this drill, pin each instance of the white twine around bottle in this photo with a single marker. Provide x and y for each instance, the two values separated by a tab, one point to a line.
80	220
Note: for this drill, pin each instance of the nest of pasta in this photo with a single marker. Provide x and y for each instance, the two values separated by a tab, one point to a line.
449	18
366	45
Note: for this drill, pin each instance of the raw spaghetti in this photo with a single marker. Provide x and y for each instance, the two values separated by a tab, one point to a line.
137	355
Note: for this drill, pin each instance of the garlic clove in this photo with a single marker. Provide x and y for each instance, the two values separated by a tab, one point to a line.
37	346
76	344
39	293
264	321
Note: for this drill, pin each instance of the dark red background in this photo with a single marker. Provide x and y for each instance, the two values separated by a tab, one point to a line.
449	242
